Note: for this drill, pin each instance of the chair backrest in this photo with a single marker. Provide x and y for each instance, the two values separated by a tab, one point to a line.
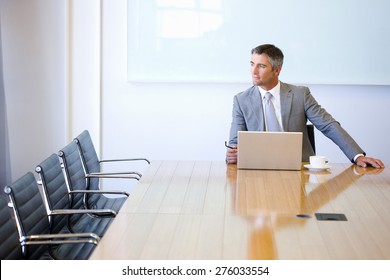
73	167
310	133
10	248
29	212
55	190
89	157
75	174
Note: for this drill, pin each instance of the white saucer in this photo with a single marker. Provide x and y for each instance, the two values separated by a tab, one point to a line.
308	166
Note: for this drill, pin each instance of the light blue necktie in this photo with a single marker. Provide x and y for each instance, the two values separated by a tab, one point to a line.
270	115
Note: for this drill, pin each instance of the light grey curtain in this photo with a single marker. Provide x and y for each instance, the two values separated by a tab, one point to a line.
5	170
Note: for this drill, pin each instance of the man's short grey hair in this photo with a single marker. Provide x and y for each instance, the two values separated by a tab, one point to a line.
274	54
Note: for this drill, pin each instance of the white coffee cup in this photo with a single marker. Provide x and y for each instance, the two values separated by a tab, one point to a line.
318	161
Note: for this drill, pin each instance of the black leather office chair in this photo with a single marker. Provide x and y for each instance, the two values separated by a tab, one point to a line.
37	239
59	199
77	182
9	240
92	164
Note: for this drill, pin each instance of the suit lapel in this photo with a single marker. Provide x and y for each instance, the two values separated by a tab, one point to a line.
285	104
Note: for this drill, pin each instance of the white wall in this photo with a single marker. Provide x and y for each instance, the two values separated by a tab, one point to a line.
84	68
192	121
33	38
51	59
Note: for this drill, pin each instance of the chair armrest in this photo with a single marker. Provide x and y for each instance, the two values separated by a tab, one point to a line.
99	212
60	238
99	192
116	173
125	159
96	175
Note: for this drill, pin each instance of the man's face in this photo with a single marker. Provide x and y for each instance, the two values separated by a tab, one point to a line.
262	73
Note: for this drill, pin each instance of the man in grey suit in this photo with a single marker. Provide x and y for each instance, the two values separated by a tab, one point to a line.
293	106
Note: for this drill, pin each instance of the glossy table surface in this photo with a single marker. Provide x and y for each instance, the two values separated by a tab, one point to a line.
211	210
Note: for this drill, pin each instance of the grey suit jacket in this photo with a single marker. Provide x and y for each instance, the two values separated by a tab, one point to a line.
297	106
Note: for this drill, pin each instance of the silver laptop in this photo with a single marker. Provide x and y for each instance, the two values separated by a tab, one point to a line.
269	150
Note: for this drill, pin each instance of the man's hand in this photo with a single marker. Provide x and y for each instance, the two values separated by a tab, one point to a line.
231	155
368	161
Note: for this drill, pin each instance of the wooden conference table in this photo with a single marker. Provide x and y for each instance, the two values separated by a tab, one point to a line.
210	210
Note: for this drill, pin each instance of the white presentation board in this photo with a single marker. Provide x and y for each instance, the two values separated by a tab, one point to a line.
324	41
